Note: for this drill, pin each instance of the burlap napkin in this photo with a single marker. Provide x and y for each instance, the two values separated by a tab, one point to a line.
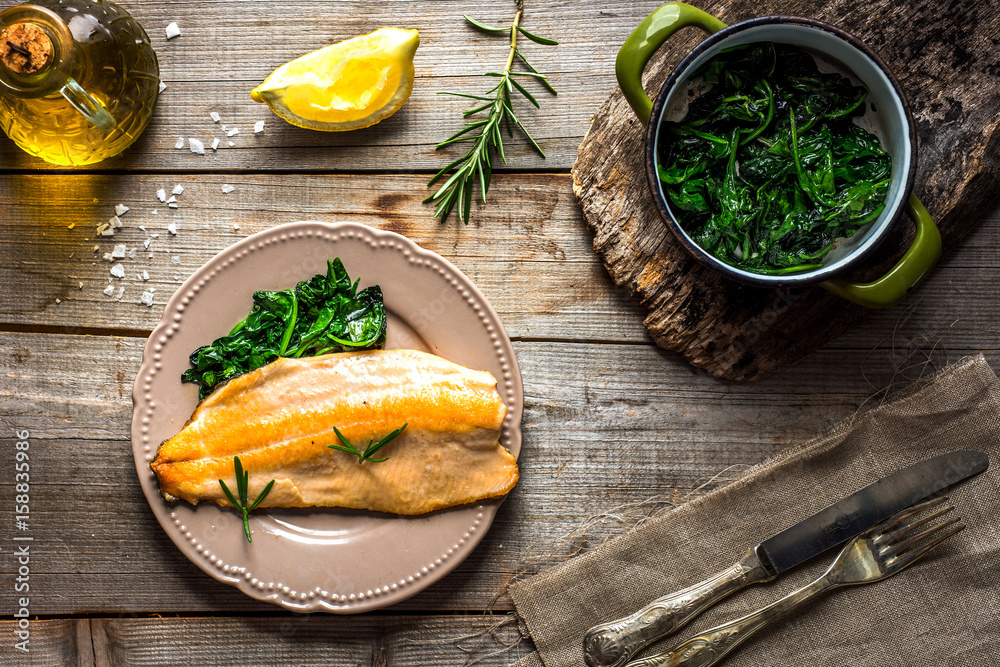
944	610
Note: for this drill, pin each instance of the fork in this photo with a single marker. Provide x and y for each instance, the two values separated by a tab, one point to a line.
872	556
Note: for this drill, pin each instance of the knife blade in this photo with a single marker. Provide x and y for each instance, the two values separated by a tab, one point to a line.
612	644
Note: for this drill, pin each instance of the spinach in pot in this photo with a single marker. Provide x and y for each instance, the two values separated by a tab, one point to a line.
768	170
321	315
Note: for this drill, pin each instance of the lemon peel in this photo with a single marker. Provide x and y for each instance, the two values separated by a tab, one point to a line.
345	86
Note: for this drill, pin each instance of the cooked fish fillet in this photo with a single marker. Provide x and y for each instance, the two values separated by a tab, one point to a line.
279	420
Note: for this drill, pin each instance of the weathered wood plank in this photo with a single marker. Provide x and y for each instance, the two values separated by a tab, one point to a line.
532	257
945	58
281	639
55	643
225	50
605	426
528	250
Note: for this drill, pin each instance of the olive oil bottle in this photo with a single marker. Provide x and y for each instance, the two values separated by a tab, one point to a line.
78	79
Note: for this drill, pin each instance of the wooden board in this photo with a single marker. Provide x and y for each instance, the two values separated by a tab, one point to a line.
532	258
269	640
945	58
609	430
227	48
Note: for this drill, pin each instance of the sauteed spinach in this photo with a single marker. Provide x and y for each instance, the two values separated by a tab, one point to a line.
321	315
767	169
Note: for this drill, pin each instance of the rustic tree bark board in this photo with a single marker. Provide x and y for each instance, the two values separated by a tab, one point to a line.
945	57
605	427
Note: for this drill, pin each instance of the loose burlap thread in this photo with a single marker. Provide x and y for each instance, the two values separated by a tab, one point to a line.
944	610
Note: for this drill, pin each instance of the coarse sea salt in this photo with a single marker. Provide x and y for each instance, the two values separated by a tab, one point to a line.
178	189
258	127
146	243
131	253
118	294
145	275
118	271
147	298
172	199
227	188
233	132
119	251
215	117
121	209
215	143
172	204
115	222
232	143
196	146
161	194
109	290
154	212
236	226
172	228
163	86
175	259
173	30
180	142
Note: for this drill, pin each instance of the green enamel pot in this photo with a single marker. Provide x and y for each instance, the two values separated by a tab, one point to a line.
887	116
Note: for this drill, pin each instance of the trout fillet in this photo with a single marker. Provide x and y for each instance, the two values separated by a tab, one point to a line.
279	420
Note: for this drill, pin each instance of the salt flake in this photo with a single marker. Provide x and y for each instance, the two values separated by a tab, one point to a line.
215	143
227	188
215	117
258	127
175	259
121	209
173	30
178	189
233	132
118	271
109	290
161	194
172	199
147	298
163	86
180	142
232	143
118	252
196	146
172	228
145	275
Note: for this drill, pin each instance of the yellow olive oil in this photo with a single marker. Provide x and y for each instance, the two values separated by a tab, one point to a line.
78	79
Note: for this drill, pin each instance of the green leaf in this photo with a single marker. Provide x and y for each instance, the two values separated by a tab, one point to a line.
483	27
535	38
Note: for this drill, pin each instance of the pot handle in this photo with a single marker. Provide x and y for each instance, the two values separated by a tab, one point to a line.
643	43
909	271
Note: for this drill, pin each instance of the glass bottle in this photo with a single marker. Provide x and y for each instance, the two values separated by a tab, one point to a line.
78	79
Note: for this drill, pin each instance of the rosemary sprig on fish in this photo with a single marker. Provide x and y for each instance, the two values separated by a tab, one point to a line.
243	489
370	450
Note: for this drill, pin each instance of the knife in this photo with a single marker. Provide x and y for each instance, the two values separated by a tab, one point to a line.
612	644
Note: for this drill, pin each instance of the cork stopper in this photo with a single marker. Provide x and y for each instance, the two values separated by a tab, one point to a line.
25	48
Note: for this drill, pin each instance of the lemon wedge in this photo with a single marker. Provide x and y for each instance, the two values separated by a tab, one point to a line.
344	86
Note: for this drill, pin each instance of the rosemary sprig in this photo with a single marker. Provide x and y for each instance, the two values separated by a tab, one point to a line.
370	450
242	488
476	164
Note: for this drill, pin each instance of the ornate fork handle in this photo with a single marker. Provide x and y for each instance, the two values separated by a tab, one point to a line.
612	644
713	645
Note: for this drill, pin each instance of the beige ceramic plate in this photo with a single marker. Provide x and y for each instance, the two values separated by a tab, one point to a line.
342	561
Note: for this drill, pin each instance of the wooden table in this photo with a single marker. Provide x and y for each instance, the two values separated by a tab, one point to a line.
614	427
